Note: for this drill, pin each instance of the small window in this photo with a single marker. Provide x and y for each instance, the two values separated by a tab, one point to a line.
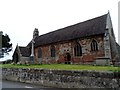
94	46
39	53
78	50
52	51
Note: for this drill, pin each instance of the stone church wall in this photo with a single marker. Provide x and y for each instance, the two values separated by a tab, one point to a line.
62	48
24	60
114	51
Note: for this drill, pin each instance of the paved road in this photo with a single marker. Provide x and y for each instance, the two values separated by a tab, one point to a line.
12	84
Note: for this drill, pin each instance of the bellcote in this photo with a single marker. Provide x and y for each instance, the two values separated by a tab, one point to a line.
35	33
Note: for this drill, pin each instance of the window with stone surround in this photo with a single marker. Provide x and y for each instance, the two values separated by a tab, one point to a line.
94	45
78	50
39	53
52	51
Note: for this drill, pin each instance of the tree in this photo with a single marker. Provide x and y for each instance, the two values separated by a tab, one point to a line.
6	45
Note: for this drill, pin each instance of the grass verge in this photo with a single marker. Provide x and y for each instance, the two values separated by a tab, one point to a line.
65	67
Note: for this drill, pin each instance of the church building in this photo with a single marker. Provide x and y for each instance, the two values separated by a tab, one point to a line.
89	42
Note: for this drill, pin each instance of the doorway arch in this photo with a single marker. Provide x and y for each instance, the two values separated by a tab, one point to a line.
67	58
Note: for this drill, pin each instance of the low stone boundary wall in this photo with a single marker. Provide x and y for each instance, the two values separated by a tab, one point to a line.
63	78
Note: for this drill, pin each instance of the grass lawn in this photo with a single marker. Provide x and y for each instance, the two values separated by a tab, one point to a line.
65	67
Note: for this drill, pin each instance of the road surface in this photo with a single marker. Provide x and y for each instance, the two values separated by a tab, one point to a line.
13	85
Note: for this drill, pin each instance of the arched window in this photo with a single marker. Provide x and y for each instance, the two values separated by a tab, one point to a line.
94	46
78	50
39	53
52	51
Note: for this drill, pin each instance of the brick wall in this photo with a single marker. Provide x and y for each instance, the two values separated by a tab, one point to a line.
68	47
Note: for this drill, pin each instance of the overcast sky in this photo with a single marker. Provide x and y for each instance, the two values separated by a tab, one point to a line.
18	18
